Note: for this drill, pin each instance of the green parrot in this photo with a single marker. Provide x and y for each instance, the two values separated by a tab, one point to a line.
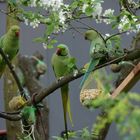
97	51
9	43
28	114
63	64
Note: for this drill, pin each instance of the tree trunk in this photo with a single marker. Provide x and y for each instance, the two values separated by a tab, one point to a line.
10	87
26	64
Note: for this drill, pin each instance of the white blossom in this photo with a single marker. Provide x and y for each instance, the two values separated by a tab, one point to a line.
62	17
127	33
123	22
33	3
54	4
44	45
108	14
130	24
84	7
97	10
138	27
106	35
44	2
64	27
35	23
26	21
75	72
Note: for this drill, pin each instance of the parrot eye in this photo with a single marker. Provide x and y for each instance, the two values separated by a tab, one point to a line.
86	38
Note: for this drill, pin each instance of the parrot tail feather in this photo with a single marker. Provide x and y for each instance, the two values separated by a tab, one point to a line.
69	111
64	94
66	128
91	66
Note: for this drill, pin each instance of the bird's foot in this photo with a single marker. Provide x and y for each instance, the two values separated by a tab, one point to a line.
60	78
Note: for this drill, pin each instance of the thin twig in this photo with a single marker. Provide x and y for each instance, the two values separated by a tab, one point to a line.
11	113
119	33
2	11
21	89
7	13
74	28
2	1
90	27
9	117
82	28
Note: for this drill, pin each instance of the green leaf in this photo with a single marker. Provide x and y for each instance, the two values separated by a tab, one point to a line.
49	46
126	26
85	134
39	40
51	43
89	11
74	5
50	29
25	2
114	25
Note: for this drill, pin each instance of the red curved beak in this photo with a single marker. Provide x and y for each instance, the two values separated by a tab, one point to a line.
58	51
17	34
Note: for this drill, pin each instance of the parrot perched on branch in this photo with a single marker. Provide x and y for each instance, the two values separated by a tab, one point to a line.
63	64
9	43
97	51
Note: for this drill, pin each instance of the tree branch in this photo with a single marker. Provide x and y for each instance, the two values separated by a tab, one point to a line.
2	1
119	33
132	55
13	72
10	117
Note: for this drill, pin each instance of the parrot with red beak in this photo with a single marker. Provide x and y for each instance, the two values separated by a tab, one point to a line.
9	43
63	64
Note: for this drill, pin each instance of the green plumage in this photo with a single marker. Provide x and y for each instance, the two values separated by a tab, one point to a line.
10	45
97	51
28	114
60	62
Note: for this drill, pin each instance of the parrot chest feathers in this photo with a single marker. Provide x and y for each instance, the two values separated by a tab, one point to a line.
59	66
10	47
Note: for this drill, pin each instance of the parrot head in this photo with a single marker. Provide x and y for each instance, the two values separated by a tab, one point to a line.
14	30
62	50
41	67
90	35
